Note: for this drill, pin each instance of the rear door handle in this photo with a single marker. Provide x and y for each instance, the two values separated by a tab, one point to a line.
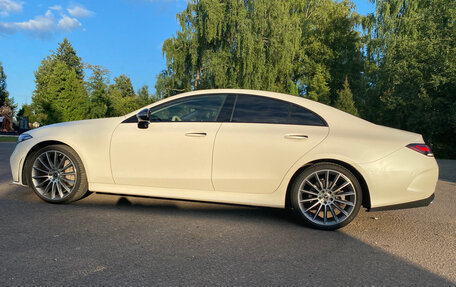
196	134
296	136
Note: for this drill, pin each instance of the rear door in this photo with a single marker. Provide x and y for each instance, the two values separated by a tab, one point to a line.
262	140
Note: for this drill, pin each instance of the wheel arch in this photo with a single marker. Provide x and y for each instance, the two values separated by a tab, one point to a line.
366	203
38	146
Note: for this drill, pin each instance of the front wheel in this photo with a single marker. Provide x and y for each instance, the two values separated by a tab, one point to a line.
326	196
57	174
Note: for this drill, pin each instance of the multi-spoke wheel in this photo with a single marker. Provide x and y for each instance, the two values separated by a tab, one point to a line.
326	196
57	174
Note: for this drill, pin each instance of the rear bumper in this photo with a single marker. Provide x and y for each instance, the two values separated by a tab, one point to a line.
403	178
413	204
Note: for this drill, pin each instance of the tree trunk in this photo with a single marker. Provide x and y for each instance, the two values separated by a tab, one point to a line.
198	75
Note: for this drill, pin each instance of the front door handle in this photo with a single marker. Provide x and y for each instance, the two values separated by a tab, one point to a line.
296	136
196	134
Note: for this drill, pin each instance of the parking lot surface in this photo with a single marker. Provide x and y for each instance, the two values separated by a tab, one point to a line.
111	240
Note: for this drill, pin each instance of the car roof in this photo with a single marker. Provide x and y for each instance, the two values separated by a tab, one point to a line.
289	98
269	94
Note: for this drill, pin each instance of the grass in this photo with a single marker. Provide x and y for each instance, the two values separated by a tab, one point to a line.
9	139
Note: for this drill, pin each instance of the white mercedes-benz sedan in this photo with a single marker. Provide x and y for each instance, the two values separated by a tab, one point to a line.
233	146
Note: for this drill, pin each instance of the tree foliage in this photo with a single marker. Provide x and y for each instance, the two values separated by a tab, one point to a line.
410	52
299	47
345	101
3	92
123	97
27	111
62	93
4	95
59	95
144	97
97	87
67	54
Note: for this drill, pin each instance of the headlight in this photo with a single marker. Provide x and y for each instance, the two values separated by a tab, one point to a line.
23	137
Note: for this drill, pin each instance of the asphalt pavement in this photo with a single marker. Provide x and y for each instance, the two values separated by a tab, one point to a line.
107	240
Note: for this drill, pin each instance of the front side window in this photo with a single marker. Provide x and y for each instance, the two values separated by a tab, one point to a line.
192	109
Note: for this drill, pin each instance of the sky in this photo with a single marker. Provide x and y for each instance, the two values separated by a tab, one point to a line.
124	36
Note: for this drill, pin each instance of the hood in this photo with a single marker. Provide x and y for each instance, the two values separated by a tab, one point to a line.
68	130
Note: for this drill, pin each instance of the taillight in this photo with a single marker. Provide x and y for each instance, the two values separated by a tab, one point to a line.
421	148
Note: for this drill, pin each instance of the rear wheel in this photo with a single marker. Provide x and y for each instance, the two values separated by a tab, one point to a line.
57	174
326	196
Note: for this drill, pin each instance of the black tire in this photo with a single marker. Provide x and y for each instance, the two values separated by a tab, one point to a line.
318	202
47	178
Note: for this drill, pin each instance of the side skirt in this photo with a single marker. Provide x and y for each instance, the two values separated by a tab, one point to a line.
275	199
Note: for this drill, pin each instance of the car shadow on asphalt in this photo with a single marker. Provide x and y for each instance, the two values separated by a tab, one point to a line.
207	243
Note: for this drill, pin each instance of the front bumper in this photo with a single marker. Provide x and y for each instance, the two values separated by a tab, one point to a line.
17	160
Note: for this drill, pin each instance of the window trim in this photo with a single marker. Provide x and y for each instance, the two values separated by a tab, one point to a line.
133	118
229	109
234	106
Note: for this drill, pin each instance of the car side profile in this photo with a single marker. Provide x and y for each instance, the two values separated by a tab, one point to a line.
233	146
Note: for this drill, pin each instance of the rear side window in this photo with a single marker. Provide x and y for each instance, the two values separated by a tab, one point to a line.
252	109
255	109
302	116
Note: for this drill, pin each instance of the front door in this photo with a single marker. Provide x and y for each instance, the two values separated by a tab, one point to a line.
175	151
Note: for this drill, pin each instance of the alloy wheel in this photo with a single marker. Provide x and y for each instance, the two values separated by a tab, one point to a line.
326	197
54	175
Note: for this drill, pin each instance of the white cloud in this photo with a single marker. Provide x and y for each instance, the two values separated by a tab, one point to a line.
68	24
40	26
43	26
79	11
10	6
56	8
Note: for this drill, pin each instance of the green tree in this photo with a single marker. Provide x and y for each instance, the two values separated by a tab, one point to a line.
97	87
67	54
317	88
27	111
4	95
144	97
302	47
122	96
123	85
411	49
345	101
59	94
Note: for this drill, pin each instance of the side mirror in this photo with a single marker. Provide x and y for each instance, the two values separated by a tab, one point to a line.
143	119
